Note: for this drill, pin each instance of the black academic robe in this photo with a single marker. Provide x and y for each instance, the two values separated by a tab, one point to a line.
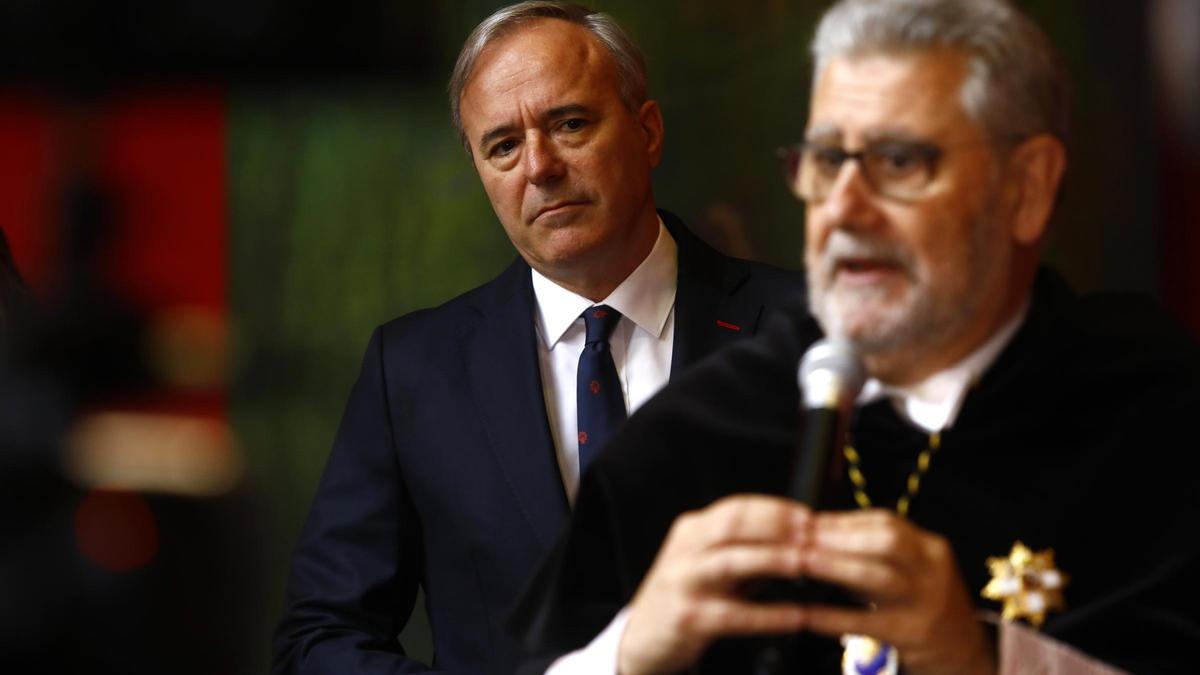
1078	438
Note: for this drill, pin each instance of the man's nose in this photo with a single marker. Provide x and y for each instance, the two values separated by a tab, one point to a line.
543	163
851	199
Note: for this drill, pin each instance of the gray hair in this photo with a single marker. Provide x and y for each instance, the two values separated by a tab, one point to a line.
1016	86
631	67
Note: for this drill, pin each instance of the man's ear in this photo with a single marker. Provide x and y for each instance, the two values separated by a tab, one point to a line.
1035	168
651	122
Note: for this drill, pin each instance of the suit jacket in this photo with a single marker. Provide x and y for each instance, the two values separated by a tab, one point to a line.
1079	438
443	473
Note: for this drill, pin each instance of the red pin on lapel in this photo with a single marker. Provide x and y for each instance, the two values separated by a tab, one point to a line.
728	326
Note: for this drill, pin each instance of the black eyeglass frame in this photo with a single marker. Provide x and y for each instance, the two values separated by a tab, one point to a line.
927	153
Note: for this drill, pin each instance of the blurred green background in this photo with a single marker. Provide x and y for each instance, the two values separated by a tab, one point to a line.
351	202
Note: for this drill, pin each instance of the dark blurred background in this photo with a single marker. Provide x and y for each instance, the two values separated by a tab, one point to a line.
213	202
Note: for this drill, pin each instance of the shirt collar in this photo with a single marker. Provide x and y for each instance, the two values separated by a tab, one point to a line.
646	296
933	403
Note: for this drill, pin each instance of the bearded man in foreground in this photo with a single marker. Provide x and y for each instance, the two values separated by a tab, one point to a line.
1004	418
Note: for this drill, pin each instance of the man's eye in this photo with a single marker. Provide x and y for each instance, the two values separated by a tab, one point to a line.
901	160
896	160
503	148
827	159
573	124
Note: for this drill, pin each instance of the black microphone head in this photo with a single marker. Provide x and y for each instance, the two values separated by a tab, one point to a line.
831	374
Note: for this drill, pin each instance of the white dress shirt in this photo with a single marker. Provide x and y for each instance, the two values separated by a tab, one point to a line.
640	344
932	405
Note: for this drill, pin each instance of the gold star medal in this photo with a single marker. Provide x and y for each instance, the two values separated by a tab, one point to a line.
1027	583
867	656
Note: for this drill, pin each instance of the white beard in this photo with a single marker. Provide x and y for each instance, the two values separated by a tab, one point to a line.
913	312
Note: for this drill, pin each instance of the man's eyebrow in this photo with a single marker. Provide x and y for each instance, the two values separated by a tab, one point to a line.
824	132
495	133
893	135
566	111
831	133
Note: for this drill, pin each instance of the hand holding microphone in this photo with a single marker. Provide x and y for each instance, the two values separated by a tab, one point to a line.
731	568
830	377
772	566
867	572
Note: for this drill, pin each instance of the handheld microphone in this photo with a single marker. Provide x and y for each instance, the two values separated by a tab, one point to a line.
830	376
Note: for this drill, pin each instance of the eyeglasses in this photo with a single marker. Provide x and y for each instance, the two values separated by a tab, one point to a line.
899	170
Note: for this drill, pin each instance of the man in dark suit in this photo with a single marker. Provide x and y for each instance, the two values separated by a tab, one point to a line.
459	452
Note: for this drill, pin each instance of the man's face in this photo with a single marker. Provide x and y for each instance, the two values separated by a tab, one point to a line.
565	164
901	277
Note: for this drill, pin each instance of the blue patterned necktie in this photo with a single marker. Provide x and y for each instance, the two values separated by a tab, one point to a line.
599	401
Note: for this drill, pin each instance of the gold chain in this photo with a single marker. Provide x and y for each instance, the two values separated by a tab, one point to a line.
914	478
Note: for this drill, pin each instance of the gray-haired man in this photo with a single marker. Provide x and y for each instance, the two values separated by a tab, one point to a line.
1001	410
463	440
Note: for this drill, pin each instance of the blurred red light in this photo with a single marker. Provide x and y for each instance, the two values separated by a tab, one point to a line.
116	530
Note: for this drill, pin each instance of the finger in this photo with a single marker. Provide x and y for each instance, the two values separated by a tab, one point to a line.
740	519
873	578
731	616
728	566
876	533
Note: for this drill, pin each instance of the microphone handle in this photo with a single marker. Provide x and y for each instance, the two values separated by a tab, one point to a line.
821	437
823	433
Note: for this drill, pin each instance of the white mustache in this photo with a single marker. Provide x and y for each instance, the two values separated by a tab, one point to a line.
842	246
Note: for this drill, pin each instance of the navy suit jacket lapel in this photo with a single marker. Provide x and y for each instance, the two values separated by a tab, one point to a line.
708	312
501	355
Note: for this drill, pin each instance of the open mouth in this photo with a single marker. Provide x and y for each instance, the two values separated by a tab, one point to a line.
866	270
866	265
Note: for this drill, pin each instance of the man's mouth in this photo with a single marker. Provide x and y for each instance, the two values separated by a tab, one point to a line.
558	208
865	270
